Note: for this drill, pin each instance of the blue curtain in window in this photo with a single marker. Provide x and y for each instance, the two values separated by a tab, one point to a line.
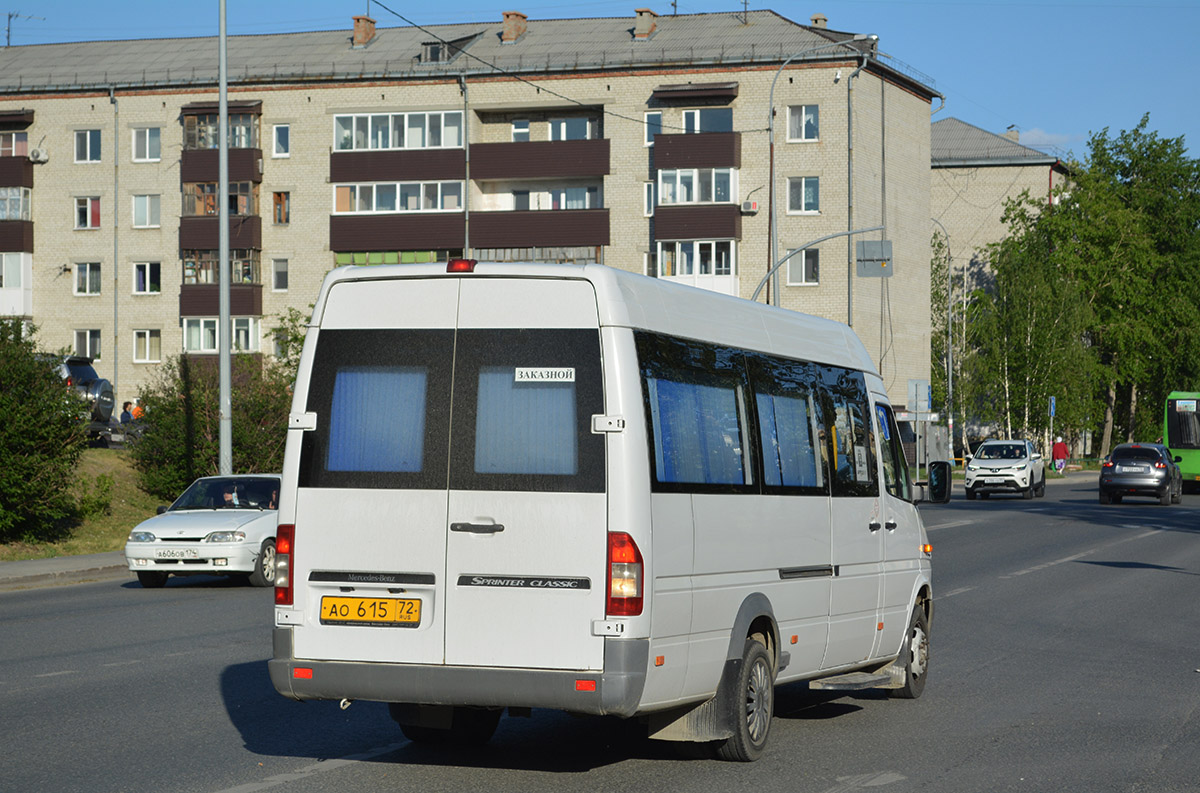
697	437
524	428
788	454
377	419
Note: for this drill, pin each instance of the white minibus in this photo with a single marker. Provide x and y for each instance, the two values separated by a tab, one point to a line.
511	486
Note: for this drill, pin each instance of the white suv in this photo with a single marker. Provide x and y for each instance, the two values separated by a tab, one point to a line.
1006	467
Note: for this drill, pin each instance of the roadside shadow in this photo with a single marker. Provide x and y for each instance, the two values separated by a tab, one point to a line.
1140	566
196	581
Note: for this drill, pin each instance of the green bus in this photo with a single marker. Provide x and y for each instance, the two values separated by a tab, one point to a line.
1181	432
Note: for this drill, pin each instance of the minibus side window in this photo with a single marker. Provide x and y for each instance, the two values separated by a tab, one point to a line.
789	423
852	439
696	404
895	465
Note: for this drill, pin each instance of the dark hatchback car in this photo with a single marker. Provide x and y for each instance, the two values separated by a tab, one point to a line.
1141	469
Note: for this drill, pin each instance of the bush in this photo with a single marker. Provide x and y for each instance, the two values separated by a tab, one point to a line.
180	434
41	440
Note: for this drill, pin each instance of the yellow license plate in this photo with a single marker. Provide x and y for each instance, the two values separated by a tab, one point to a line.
388	612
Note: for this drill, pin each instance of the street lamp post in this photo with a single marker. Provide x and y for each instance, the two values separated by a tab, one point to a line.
774	230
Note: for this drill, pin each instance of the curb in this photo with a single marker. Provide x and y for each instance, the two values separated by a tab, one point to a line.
37	573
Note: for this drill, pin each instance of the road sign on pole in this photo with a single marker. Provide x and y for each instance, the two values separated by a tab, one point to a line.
1051	407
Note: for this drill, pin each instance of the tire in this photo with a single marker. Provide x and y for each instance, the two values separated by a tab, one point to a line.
264	569
1041	489
1178	496
970	494
984	495
1027	493
753	705
468	727
915	654
1116	499
152	579
1165	499
1105	498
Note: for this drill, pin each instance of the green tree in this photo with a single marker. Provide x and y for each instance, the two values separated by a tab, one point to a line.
181	440
41	440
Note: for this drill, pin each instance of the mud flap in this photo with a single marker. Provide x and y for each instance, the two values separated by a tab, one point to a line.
705	721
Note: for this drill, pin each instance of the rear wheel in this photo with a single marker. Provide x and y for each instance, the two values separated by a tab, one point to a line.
152	579
1105	498
915	655
753	704
264	570
1116	499
1165	499
1178	496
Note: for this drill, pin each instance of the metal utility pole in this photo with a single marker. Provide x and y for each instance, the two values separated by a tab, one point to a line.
223	324
8	25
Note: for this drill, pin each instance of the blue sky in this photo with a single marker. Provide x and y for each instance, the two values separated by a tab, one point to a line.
1058	70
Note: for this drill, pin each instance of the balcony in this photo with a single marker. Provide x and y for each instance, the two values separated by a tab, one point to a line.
543	229
547	159
403	165
202	165
204	300
397	232
702	150
204	232
703	222
16	235
16	172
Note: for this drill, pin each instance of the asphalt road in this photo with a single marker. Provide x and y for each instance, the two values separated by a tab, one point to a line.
1066	658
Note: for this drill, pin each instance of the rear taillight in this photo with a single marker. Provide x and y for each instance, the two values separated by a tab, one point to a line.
461	266
624	576
1160	464
285	540
1108	463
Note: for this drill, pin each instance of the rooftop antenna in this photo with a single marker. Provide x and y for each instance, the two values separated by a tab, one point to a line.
745	12
18	15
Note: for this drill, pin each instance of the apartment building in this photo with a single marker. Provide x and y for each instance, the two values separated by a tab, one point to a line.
644	142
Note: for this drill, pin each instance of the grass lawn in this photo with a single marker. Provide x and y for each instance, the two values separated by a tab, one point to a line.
99	533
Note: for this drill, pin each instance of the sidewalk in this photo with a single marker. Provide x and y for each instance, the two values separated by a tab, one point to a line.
34	573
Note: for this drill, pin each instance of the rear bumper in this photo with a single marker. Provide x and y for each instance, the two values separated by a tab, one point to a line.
617	692
1130	486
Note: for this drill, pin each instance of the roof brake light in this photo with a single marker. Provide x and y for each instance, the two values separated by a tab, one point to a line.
461	266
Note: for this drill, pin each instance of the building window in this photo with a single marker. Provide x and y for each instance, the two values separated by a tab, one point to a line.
147	144
695	257
204	267
87	212
279	275
200	198
709	119
87	145
281	135
804	195
15	203
575	198
87	278
146	211
202	131
14	144
804	269
200	334
520	130
87	343
434	130
648	201
574	129
803	123
147	278
11	268
397	197
653	126
650	264
697	186
281	208
147	346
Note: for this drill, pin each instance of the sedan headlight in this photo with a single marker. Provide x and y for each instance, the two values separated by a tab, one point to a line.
972	467
226	536
141	536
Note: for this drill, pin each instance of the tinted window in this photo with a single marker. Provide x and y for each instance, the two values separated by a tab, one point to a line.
523	406
1001	451
895	465
382	404
1131	453
789	424
695	406
853	437
1183	424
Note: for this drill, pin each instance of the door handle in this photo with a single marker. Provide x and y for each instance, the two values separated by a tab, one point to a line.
477	528
890	525
874	526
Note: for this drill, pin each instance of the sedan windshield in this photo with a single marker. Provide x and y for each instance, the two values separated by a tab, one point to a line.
229	493
1001	451
1147	454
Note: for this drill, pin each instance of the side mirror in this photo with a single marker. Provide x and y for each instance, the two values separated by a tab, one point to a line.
1037	456
162	508
1178	459
938	489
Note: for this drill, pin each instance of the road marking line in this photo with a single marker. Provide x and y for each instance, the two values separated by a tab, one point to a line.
123	663
860	781
953	592
949	525
58	674
1080	555
312	770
